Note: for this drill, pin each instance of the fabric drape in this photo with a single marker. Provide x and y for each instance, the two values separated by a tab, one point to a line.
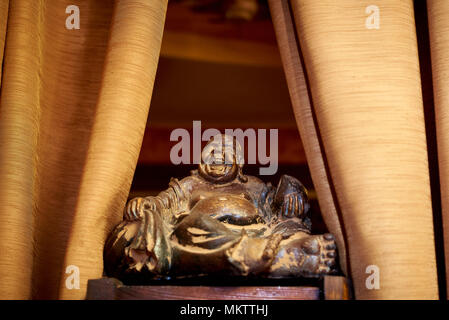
73	110
438	17
366	96
291	60
3	19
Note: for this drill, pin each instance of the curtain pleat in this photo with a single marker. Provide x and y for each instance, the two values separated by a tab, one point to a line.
73	110
288	47
366	93
19	118
3	20
438	17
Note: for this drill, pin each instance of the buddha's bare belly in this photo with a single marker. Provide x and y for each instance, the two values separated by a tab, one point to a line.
228	208
217	222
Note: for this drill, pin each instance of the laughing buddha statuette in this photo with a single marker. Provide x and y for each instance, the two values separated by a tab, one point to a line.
218	221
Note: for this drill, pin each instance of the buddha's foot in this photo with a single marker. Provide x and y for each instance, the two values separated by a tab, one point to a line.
321	253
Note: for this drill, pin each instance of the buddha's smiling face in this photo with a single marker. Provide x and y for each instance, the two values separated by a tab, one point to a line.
218	170
219	159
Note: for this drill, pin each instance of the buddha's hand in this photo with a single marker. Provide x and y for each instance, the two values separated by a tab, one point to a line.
135	208
290	199
293	205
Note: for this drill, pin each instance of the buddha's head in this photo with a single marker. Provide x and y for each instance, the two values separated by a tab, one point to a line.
222	160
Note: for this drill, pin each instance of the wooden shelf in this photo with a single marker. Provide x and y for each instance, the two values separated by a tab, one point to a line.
332	288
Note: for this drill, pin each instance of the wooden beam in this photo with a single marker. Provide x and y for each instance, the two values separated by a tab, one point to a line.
207	36
192	46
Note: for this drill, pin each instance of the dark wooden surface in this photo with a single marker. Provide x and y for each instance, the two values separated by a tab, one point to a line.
334	287
337	288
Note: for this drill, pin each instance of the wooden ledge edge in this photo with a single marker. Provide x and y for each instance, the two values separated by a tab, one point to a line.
333	288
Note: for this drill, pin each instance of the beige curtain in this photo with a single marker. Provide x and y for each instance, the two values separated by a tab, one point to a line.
365	94
73	109
285	34
438	16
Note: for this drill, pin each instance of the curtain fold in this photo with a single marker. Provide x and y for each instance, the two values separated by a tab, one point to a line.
438	17
291	61
3	20
366	93
73	110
